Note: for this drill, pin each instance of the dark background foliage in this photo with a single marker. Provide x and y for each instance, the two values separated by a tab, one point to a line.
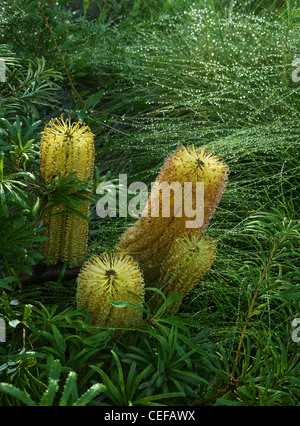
147	76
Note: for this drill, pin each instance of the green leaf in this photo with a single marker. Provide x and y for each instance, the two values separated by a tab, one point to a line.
54	368
129	381
4	283
58	338
94	99
62	272
149	399
188	376
16	393
167	303
140	377
122	304
3	200
111	390
86	4
1	166
27	312
70	390
14	323
89	395
121	375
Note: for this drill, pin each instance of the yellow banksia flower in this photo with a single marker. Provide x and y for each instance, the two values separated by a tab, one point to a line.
149	240
110	278
66	148
190	258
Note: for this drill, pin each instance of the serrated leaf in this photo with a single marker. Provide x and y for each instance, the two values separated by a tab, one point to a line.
17	393
54	368
70	390
89	395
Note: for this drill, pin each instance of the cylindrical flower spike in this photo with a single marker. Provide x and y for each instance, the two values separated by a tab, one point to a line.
110	278
66	148
149	240
190	258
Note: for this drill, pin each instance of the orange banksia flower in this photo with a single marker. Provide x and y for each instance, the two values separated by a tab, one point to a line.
110	278
149	240
190	258
66	148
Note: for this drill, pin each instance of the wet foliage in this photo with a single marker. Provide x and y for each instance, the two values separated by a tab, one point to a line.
147	76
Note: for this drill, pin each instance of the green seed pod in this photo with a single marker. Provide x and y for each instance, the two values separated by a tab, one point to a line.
110	278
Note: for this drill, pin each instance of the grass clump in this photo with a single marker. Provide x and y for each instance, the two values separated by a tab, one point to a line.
147	79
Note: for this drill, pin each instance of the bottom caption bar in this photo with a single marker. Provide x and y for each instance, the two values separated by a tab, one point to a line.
141	415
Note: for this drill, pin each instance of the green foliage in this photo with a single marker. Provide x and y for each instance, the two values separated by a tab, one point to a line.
69	393
149	76
28	90
19	139
135	381
124	391
25	198
19	241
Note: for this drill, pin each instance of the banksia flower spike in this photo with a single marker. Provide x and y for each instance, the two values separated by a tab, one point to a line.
149	240
66	148
109	278
190	258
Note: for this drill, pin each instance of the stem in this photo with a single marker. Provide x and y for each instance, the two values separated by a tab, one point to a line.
42	273
213	398
253	301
